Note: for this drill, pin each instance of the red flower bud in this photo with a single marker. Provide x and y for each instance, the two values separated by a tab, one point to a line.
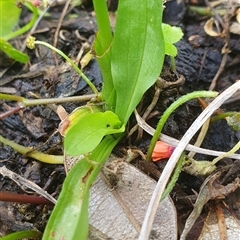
162	151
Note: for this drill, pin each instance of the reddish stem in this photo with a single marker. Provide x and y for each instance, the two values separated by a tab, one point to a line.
21	198
10	112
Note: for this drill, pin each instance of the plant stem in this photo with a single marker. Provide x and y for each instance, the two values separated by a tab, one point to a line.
22	198
222	116
233	150
11	97
29	234
33	102
169	111
206	11
51	159
173	64
174	177
94	89
10	112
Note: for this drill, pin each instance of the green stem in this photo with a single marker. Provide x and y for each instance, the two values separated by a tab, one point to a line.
42	157
168	112
174	177
173	63
11	97
26	27
206	11
104	28
233	150
222	116
94	89
33	102
22	235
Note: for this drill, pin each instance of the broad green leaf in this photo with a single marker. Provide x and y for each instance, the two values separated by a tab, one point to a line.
69	219
75	116
171	35
84	136
137	52
12	52
9	16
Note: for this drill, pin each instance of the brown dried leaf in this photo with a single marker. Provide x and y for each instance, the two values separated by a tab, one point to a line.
119	213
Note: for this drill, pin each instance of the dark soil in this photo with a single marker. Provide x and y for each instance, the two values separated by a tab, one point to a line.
198	61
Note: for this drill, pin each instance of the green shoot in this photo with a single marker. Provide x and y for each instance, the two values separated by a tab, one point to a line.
23	235
168	112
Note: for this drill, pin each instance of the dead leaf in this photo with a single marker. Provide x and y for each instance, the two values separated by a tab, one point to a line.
235	28
211	189
220	225
211	27
119	213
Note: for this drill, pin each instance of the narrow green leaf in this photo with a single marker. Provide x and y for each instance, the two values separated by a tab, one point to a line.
104	62
87	133
23	235
102	46
137	52
64	220
12	52
9	16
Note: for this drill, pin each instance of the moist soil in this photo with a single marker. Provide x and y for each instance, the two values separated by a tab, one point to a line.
47	76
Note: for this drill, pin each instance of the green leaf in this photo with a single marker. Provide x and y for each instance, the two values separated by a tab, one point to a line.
171	35
23	235
102	46
87	133
64	220
69	219
137	52
170	49
9	16
12	52
104	62
75	116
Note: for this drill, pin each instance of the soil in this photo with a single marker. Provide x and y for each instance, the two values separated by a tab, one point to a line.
47	76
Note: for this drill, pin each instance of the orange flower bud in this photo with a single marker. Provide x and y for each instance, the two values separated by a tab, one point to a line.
161	151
